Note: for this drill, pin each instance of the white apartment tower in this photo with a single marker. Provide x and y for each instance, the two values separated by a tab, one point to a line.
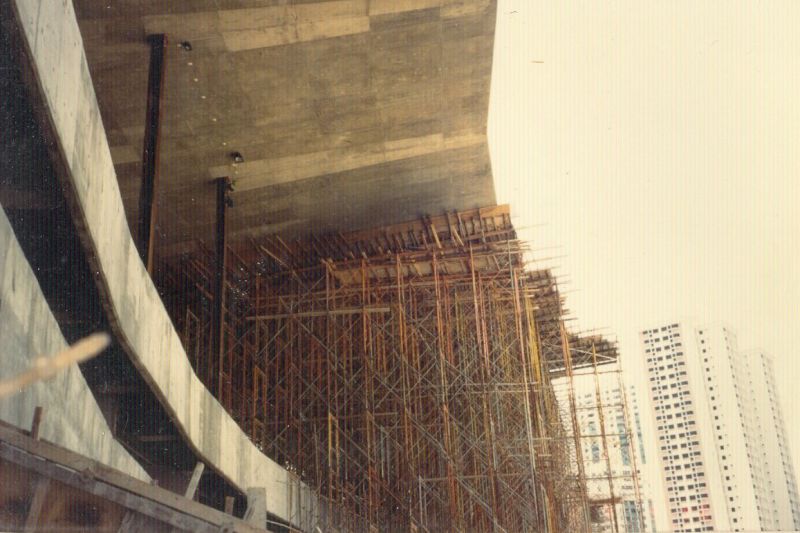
721	437
614	476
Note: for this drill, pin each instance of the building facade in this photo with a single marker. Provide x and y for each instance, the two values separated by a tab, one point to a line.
612	452
721	438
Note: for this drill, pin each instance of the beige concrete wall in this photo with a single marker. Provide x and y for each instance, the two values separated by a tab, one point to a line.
136	313
28	329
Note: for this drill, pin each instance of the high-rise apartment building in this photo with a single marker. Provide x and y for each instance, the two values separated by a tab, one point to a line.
613	469
721	438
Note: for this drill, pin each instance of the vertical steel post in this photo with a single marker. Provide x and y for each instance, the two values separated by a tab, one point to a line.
217	324
150	154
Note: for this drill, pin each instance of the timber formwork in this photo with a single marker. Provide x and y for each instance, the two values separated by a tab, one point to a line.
404	372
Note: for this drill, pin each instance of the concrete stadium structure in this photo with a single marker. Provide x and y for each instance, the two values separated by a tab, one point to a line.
290	135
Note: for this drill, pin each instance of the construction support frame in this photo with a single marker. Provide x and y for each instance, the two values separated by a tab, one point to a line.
405	373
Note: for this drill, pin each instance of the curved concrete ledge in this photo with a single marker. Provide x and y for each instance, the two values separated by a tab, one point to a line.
138	317
72	418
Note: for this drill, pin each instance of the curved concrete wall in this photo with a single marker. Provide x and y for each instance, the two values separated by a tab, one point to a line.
28	329
137	315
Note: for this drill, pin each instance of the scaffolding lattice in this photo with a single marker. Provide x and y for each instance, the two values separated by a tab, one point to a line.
406	373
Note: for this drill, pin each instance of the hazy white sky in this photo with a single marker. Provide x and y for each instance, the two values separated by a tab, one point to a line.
655	147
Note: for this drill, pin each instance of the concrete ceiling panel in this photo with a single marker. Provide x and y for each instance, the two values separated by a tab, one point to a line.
349	113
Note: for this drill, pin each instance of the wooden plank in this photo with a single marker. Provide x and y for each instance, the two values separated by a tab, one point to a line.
43	453
138	523
195	480
434	234
128	524
39	495
37	422
84	480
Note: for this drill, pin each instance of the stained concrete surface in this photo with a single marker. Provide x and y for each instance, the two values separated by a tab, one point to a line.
138	318
28	329
350	114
